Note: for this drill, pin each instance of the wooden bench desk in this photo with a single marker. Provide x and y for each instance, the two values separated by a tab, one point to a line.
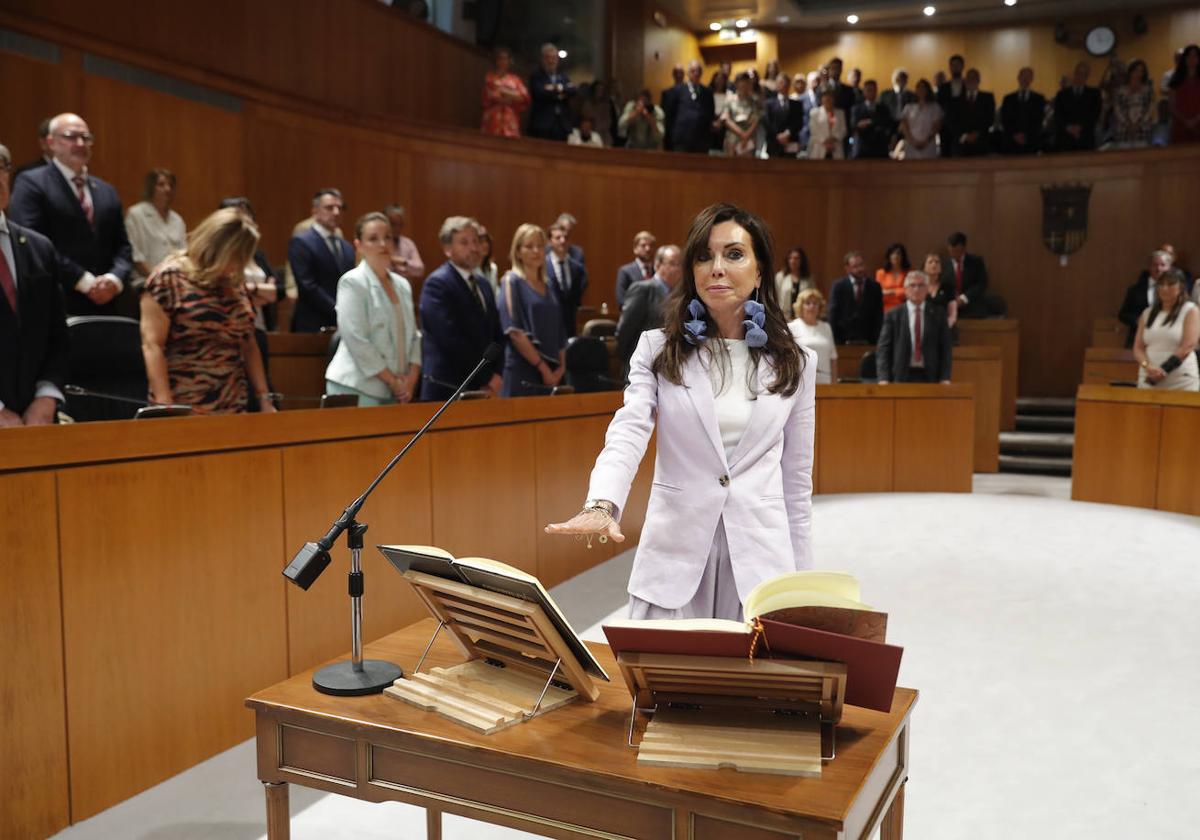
1102	365
569	773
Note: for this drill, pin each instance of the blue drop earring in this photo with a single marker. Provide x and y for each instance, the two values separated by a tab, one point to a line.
693	330
756	317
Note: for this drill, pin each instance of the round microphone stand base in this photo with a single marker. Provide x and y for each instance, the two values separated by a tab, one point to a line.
342	679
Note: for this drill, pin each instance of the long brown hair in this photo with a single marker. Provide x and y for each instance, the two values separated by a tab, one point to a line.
1172	276
781	347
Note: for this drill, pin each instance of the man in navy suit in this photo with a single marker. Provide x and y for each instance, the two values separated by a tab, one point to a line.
550	90
689	113
33	327
568	274
319	257
458	316
1021	116
642	267
967	275
1076	111
855	304
914	345
973	120
82	216
783	119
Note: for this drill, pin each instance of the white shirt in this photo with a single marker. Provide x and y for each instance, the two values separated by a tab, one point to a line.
472	284
1152	290
575	138
562	271
330	236
43	387
732	397
819	339
151	237
915	312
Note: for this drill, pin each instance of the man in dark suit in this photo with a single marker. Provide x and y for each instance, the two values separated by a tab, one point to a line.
43	134
967	275
33	326
1076	111
319	257
643	305
667	102
458	316
914	345
689	113
872	124
82	216
642	267
898	95
568	274
550	90
844	97
974	119
855	304
950	92
1021	116
1141	294
783	120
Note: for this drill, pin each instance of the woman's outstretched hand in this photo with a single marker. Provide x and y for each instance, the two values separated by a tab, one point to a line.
589	522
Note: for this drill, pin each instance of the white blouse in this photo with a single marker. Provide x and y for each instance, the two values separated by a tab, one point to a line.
152	238
732	396
819	339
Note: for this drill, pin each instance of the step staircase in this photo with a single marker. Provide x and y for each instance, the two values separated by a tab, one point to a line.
1044	439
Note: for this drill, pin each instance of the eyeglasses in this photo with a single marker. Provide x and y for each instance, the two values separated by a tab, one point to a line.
75	136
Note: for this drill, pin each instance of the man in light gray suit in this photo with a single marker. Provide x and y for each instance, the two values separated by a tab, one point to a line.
642	267
644	301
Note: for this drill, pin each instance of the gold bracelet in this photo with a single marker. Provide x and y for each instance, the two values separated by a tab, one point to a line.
603	507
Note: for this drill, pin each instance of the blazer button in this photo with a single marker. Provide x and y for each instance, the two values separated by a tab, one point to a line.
723	481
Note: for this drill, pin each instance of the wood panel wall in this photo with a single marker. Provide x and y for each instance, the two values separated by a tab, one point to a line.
279	155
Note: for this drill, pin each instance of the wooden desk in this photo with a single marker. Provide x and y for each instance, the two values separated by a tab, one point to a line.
1102	365
1137	447
569	773
297	365
1108	332
1004	333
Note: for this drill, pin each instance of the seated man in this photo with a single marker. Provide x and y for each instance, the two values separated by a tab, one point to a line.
319	256
1140	294
855	304
644	302
33	326
642	267
914	345
967	275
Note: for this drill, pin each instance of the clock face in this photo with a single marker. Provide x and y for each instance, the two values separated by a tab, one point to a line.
1100	40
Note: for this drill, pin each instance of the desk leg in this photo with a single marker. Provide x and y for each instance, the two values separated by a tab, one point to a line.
279	825
433	824
892	825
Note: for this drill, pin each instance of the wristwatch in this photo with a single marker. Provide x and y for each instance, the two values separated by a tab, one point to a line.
601	504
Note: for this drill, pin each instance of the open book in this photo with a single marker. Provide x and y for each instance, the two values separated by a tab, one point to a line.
810	614
493	576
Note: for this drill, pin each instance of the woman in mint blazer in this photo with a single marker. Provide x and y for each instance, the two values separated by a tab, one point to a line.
379	352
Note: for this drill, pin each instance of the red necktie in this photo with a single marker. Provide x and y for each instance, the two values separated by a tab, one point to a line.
647	272
858	287
8	284
83	200
958	277
917	338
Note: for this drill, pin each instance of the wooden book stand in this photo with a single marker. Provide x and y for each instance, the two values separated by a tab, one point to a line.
762	716
518	666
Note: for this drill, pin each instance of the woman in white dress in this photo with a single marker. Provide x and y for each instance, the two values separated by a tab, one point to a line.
793	279
1165	346
920	123
154	229
816	334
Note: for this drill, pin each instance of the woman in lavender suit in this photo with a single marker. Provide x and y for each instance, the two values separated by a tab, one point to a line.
731	392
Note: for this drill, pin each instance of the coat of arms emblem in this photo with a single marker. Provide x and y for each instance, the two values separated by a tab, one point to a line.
1064	217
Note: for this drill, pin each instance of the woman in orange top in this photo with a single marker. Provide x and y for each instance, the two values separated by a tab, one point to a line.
891	277
504	97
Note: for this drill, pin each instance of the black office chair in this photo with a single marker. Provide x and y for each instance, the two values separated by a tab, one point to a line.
106	356
867	370
587	366
599	327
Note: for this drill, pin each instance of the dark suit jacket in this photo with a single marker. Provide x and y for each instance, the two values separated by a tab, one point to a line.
571	297
643	311
669	96
33	340
974	282
872	142
895	104
455	332
1135	303
317	274
949	103
1082	110
44	201
894	351
782	117
627	275
807	104
689	120
1022	118
549	112
978	116
851	321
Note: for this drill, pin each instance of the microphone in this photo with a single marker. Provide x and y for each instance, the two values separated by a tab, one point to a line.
147	411
78	391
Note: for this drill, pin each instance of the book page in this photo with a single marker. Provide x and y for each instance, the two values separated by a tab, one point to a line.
805	589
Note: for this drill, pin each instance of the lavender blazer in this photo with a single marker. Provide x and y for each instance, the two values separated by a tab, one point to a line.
763	491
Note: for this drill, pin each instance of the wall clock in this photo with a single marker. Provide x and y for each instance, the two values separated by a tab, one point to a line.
1100	40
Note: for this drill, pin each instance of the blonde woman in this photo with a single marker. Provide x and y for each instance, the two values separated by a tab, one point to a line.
816	334
198	322
531	317
378	358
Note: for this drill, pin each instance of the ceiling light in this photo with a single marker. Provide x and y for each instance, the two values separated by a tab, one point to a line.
715	26
741	23
1010	2
929	11
562	53
851	19
783	19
